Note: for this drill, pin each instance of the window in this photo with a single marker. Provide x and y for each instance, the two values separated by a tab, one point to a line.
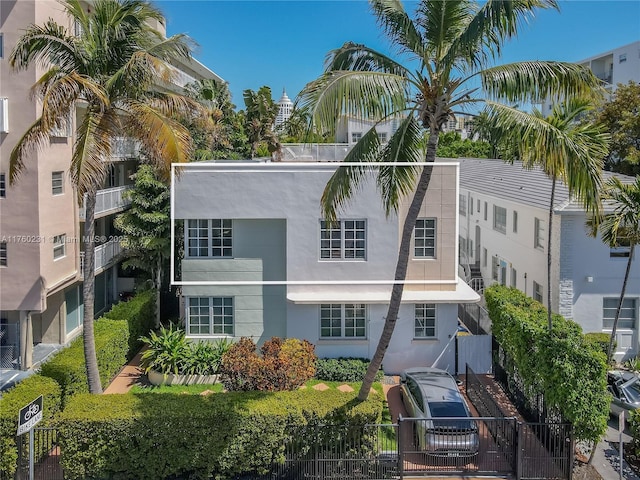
210	316
1	45
515	222
622	58
628	312
484	257
621	250
425	320
345	240
382	136
3	185
3	254
63	130
425	238
355	137
499	219
537	292
57	183
485	211
538	233
343	321
514	278
463	245
4	115
494	267
462	207
470	205
59	242
209	238
478	205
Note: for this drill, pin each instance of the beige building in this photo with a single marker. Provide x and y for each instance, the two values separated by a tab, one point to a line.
41	222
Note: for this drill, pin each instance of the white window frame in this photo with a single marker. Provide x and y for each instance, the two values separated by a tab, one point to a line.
340	240
346	321
538	293
486	211
4	115
59	246
499	213
514	278
495	266
424	238
57	183
425	315
485	254
355	137
216	233
515	221
538	233
462	204
217	311
382	137
628	313
4	255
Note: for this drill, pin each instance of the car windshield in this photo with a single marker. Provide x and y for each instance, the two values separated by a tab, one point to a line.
632	391
447	409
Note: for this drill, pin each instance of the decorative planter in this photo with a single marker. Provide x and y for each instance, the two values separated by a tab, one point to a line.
157	378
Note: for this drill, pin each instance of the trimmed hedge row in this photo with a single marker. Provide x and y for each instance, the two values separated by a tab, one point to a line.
343	369
566	368
139	312
599	341
67	367
12	401
150	436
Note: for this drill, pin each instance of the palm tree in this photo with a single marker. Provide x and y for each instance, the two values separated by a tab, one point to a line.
564	148
449	46
108	72
622	227
260	117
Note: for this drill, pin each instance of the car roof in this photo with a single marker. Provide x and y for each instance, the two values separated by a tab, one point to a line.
436	385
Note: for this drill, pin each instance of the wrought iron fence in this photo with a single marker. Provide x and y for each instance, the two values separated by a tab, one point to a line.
46	455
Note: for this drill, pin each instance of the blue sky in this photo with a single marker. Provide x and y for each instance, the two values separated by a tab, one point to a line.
284	43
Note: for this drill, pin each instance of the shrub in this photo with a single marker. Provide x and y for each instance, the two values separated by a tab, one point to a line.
171	352
147	436
139	313
67	367
343	369
560	365
12	401
284	365
599	341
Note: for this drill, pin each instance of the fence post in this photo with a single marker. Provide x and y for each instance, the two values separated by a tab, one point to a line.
519	429
400	449
316	456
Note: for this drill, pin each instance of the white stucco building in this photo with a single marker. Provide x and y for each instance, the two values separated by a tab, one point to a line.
503	232
285	109
259	261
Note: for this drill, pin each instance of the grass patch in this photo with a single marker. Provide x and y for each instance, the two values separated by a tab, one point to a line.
177	389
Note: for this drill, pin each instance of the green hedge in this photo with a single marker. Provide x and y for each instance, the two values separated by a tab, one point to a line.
10	404
566	368
599	341
148	436
139	312
343	369
67	367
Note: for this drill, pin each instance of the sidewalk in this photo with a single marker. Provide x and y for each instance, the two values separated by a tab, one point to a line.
130	375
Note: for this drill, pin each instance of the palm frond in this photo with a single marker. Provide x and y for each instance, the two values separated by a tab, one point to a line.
623	225
371	95
443	23
398	26
357	57
35	138
39	44
347	179
537	80
405	146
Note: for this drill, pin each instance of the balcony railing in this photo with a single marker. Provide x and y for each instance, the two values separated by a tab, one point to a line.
104	255
107	201
314	152
123	148
180	78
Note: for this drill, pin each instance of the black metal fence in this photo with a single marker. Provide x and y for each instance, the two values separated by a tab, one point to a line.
475	317
46	456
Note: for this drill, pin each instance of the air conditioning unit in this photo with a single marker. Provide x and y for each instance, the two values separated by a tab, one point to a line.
4	115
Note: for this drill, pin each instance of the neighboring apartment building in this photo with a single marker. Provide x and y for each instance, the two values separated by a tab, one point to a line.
41	224
285	108
619	65
504	212
259	261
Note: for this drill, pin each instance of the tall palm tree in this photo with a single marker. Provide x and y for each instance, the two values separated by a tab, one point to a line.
108	71
260	117
449	47
565	148
622	227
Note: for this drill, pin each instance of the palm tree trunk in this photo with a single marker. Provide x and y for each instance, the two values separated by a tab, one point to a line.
617	317
553	194
91	361
401	269
158	283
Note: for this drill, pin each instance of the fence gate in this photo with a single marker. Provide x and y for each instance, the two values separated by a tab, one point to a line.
46	455
545	451
475	351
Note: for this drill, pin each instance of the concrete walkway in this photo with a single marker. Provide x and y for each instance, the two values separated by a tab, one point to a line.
130	375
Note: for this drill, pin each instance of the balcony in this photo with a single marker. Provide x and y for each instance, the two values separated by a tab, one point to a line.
180	78
315	152
109	200
105	255
124	148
